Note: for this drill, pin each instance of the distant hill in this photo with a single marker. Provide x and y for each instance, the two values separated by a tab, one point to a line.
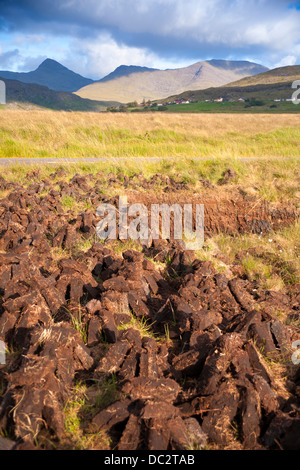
278	75
268	92
124	71
52	75
39	95
151	85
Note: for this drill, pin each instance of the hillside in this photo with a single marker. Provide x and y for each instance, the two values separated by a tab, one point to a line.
159	84
262	92
278	75
39	95
52	75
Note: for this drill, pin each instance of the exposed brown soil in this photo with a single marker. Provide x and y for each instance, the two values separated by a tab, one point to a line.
216	370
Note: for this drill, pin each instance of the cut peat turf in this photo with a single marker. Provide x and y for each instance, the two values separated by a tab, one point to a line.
124	346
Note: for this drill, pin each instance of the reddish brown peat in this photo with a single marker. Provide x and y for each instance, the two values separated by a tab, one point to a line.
199	376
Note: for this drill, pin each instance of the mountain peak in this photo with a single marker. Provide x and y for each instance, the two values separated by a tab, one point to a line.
51	64
51	74
125	71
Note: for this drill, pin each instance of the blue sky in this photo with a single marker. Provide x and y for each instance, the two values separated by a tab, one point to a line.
93	37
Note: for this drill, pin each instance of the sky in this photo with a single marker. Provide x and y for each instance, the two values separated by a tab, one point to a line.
93	37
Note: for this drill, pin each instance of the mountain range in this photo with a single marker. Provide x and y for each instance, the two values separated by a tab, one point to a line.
154	84
200	81
56	76
130	82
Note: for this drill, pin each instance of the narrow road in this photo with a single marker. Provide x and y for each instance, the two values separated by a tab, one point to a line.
57	161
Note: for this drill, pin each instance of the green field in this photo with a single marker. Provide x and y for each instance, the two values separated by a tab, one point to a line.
230	107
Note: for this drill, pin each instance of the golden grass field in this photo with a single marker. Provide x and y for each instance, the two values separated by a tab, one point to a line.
63	134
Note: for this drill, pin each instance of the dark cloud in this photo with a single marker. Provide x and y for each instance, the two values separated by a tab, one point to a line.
178	29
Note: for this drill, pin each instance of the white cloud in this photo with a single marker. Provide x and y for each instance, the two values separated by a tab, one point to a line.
104	54
24	52
220	26
28	39
93	37
285	61
257	21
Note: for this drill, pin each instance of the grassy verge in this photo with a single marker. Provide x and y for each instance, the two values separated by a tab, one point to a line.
272	180
272	261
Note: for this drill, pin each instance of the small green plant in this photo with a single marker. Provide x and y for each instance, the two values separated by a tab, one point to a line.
141	325
172	273
77	435
68	202
255	268
107	393
167	332
168	259
78	324
293	321
75	402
